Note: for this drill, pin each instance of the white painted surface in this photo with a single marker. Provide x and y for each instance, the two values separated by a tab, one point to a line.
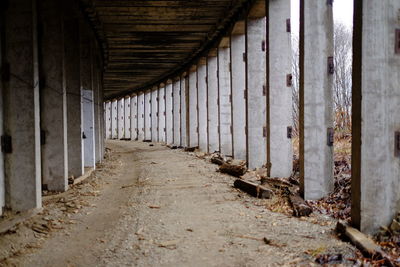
134	117
380	111
114	119
168	114
88	128
141	116
256	101
238	79
225	109
193	123
127	118
161	118
177	112
121	118
213	109
280	103
184	94
318	109
147	115
202	104
107	119
154	115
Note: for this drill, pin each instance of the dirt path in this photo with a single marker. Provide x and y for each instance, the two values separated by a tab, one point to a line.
152	206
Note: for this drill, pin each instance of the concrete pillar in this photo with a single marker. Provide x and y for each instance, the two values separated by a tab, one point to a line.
376	116
212	101
114	119
121	118
127	117
184	110
73	88
316	111
279	90
134	117
21	107
202	103
141	116
192	108
108	120
177	111
161	117
224	97
255	79
169	120
154	114
147	115
238	81
2	177
53	98
97	102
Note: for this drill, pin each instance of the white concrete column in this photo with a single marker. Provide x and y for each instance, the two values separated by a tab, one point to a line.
108	120
256	98
279	90
141	116
177	111
147	115
212	101
316	110
21	107
97	101
114	119
73	88
238	81
161	118
134	117
376	116
192	105
154	114
121	118
127	117
168	113
225	97
184	110
202	103
53	98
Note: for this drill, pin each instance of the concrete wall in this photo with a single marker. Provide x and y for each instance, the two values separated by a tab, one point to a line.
108	120
141	116
193	119
177	112
127	117
114	119
280	93
168	114
213	107
154	114
147	115
202	104
238	80
376	116
161	121
184	113
53	98
21	107
88	128
225	109
256	100
121	118
134	117
316	174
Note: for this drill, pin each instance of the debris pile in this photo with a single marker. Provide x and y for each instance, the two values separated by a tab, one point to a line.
389	238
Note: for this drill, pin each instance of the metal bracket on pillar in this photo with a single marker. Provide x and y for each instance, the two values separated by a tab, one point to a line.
288	26
397	40
331	66
329	2
264	90
289	80
263	46
330	136
264	131
397	144
289	132
6	144
245	94
244	57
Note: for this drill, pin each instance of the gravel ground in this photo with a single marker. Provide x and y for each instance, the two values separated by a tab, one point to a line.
152	206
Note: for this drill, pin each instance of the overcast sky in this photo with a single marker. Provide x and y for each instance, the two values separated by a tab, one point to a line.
342	12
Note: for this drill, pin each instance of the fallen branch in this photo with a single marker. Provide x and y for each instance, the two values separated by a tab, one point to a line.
253	189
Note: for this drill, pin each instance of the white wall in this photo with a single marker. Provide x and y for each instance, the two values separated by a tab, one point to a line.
107	119
202	104
147	115
169	115
161	113
88	128
213	107
121	118
193	123
141	116
134	117
114	119
154	115
177	112
127	117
